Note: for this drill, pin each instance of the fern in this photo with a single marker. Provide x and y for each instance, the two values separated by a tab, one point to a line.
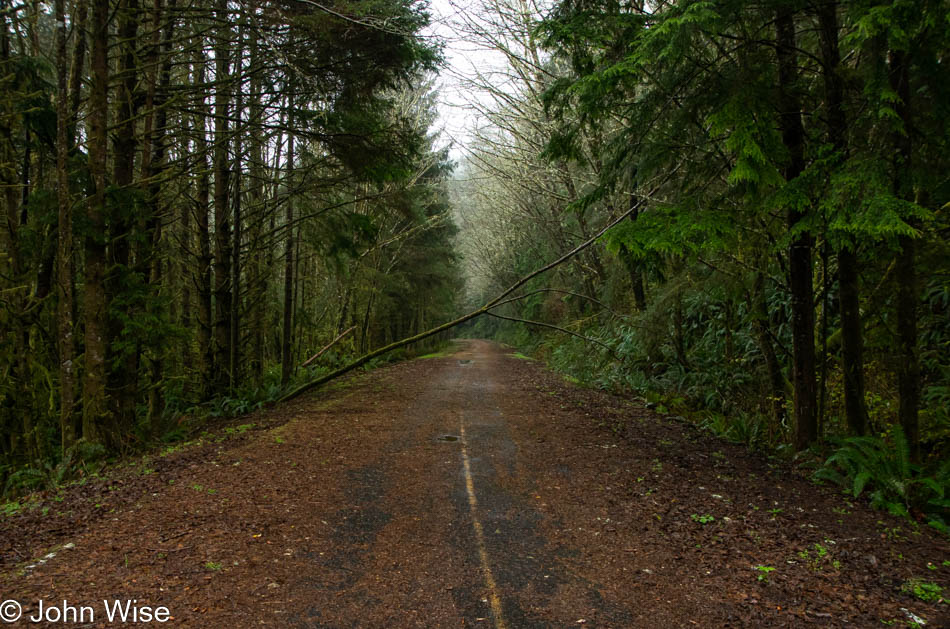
893	482
26	479
82	456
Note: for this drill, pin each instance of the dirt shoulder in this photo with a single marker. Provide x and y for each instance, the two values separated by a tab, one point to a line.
474	490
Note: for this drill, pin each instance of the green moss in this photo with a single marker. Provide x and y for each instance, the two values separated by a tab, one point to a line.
520	355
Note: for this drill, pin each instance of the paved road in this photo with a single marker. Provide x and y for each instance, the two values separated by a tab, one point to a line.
469	490
447	514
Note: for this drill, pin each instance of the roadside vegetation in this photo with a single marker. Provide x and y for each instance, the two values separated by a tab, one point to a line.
783	277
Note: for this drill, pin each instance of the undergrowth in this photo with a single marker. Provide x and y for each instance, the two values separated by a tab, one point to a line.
83	457
723	389
182	419
881	468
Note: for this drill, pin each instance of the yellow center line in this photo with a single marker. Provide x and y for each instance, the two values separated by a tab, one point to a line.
493	599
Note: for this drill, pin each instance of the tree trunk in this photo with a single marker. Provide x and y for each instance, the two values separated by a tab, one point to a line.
287	341
8	174
852	342
344	311
758	308
64	274
635	273
364	333
76	72
235	341
800	250
95	410
636	279
234	358
13	286
256	284
908	373
123	381
202	215
222	205
186	317
679	337
31	178
852	337
153	166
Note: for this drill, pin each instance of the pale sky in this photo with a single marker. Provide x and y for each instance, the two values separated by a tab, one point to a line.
463	59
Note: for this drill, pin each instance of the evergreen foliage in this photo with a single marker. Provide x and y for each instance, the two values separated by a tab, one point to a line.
244	182
787	163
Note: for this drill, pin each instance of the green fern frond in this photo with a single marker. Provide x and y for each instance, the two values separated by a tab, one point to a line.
883	469
859	482
831	475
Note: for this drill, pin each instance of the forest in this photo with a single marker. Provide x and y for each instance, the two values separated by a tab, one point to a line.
197	198
209	205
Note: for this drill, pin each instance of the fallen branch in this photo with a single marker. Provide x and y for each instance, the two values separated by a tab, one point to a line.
332	343
559	329
567	256
365	358
566	292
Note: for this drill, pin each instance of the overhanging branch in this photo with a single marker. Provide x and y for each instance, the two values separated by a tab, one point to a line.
559	329
362	360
